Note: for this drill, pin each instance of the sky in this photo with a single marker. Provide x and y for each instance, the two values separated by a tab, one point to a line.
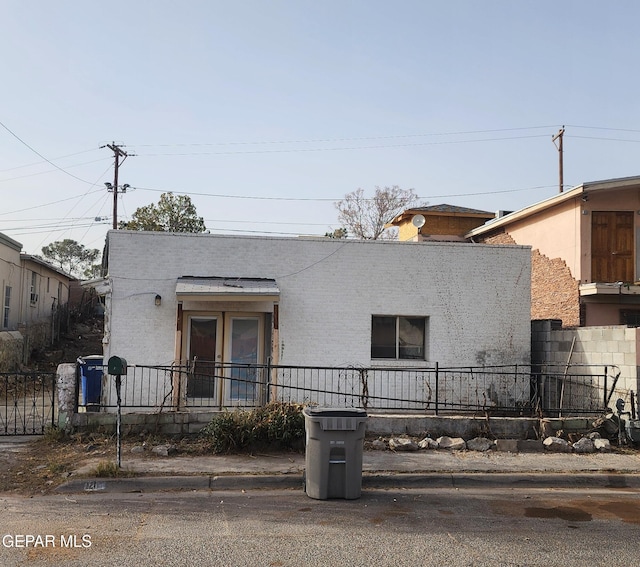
267	112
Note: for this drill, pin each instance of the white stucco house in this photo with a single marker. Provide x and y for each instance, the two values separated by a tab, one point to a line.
177	298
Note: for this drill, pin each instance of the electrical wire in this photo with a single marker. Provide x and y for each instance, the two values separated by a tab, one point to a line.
333	199
346	139
345	148
52	171
47	204
41	156
41	162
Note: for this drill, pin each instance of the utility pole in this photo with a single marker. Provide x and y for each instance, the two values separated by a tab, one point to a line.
118	153
558	146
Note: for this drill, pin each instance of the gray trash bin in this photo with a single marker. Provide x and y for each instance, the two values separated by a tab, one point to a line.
333	452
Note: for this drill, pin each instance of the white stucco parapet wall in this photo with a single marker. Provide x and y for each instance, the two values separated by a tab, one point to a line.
477	297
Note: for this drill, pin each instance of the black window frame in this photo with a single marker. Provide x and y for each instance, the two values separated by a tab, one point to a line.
387	348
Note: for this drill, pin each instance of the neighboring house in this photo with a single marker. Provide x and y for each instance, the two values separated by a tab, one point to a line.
438	222
33	293
585	253
10	279
172	298
44	289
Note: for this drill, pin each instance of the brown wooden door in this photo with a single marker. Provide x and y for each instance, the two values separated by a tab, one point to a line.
612	250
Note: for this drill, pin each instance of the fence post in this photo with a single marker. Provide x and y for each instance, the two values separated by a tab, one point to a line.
268	381
606	388
437	386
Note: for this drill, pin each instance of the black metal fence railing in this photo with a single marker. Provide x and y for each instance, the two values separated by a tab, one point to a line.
27	402
500	390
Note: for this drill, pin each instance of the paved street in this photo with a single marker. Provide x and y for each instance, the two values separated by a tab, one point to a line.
464	527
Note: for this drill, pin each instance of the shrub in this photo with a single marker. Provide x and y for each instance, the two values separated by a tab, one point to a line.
277	425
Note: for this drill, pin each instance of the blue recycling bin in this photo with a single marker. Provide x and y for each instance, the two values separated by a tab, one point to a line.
91	370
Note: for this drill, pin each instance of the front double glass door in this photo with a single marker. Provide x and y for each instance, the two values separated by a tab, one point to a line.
223	355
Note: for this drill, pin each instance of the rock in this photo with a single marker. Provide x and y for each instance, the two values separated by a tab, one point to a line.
401	444
530	446
428	443
480	444
451	443
584	445
164	450
507	445
556	445
594	435
378	445
137	449
602	445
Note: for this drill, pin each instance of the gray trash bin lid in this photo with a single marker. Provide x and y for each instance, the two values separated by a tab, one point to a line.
336	419
334	412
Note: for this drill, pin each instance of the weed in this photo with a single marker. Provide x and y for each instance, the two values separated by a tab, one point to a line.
53	434
107	469
58	468
277	425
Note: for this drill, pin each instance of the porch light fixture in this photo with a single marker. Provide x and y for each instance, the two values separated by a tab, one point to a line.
158	299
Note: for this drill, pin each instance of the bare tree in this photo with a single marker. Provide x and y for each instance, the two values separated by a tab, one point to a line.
365	218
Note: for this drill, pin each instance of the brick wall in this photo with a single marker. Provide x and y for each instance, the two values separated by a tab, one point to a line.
476	297
554	291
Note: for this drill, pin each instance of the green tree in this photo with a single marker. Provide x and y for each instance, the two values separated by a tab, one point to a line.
338	233
366	218
173	213
71	257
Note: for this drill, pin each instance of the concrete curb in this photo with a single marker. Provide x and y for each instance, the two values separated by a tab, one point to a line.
607	480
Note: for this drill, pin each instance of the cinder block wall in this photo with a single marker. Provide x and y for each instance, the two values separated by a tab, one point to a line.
614	346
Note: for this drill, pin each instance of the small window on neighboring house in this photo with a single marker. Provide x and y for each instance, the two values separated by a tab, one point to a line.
398	337
7	307
34	288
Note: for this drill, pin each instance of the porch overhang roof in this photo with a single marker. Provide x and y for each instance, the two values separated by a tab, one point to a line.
226	289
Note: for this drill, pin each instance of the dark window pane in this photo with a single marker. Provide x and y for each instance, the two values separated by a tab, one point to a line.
411	337
383	337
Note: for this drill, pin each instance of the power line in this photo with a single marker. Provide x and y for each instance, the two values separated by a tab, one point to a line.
331	199
603	128
44	161
605	139
48	204
345	139
50	171
40	155
345	148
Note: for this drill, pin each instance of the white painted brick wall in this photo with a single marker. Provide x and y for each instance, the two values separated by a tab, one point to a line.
477	297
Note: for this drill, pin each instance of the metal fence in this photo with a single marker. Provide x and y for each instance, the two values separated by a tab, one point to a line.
499	390
27	402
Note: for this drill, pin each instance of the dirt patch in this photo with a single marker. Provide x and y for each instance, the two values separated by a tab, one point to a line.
40	465
83	339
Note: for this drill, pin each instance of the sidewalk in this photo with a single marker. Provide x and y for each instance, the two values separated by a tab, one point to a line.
381	469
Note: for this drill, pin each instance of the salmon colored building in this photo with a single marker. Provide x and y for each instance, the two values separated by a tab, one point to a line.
585	253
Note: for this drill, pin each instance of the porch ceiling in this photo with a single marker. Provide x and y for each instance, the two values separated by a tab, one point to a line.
224	289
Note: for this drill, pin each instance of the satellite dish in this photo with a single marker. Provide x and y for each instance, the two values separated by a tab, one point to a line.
418	221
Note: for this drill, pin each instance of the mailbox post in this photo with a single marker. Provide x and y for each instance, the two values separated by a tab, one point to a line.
117	366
